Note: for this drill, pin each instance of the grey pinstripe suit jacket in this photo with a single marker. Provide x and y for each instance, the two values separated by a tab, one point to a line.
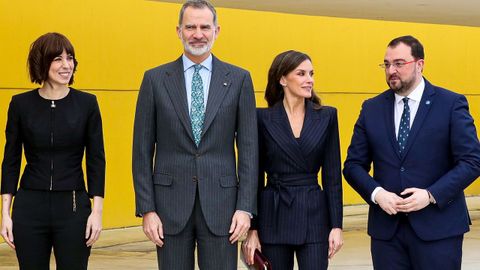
167	165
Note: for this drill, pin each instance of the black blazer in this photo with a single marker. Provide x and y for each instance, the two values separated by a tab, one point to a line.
293	208
54	139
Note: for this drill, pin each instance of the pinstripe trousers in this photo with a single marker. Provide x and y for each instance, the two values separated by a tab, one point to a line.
214	252
311	256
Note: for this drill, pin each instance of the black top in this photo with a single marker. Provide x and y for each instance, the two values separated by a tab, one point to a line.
54	135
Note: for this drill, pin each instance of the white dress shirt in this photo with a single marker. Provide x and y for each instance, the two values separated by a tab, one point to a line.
413	102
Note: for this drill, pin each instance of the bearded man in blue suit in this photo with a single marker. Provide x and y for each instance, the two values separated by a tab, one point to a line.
424	148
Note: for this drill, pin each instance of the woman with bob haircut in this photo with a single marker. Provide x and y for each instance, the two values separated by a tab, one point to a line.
55	124
297	136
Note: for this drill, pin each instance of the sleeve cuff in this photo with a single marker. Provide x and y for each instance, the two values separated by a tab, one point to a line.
431	198
248	213
374	193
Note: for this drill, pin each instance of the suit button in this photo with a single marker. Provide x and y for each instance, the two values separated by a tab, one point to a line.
402	169
194	179
197	155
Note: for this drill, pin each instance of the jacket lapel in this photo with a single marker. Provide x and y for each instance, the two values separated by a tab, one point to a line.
219	85
389	108
314	127
423	109
280	130
175	85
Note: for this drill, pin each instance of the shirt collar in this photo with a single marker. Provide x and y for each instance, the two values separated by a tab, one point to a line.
187	63
415	95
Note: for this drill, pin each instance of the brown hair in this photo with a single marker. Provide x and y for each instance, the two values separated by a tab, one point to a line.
283	64
43	51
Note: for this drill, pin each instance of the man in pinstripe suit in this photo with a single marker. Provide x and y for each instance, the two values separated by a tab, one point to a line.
190	189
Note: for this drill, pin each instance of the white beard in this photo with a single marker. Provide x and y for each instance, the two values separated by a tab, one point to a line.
197	51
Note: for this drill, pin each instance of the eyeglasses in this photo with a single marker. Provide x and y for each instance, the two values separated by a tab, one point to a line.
396	65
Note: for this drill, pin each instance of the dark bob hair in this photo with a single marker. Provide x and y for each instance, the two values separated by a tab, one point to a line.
283	64
43	51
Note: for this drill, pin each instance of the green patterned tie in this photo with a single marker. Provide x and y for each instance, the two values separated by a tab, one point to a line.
197	111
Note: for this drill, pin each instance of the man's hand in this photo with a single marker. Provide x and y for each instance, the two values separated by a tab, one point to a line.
240	225
153	228
417	200
388	201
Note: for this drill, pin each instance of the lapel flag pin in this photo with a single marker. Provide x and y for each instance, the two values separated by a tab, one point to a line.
427	102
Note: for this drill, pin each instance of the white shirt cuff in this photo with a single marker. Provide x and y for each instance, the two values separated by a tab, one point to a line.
248	213
375	191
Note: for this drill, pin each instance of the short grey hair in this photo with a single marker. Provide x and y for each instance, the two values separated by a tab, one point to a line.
198	4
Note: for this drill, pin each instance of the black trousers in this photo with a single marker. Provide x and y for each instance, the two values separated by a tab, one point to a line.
214	252
43	220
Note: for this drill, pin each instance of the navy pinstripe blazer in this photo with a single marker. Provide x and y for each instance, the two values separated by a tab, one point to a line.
293	208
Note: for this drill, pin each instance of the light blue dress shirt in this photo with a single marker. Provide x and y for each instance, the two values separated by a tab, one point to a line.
205	73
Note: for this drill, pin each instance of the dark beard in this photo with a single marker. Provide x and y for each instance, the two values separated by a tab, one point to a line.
404	87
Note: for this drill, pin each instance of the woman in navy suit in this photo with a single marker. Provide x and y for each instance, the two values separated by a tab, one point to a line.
297	137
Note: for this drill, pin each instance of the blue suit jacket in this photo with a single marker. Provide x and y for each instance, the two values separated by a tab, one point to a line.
442	155
293	209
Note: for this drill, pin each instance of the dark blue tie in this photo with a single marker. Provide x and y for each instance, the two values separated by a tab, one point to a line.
404	127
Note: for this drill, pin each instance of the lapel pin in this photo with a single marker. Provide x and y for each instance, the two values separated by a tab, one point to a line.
427	102
225	84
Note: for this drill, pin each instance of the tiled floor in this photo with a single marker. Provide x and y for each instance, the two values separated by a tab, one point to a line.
128	248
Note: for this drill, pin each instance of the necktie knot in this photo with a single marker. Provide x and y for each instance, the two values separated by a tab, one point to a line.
405	101
197	67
